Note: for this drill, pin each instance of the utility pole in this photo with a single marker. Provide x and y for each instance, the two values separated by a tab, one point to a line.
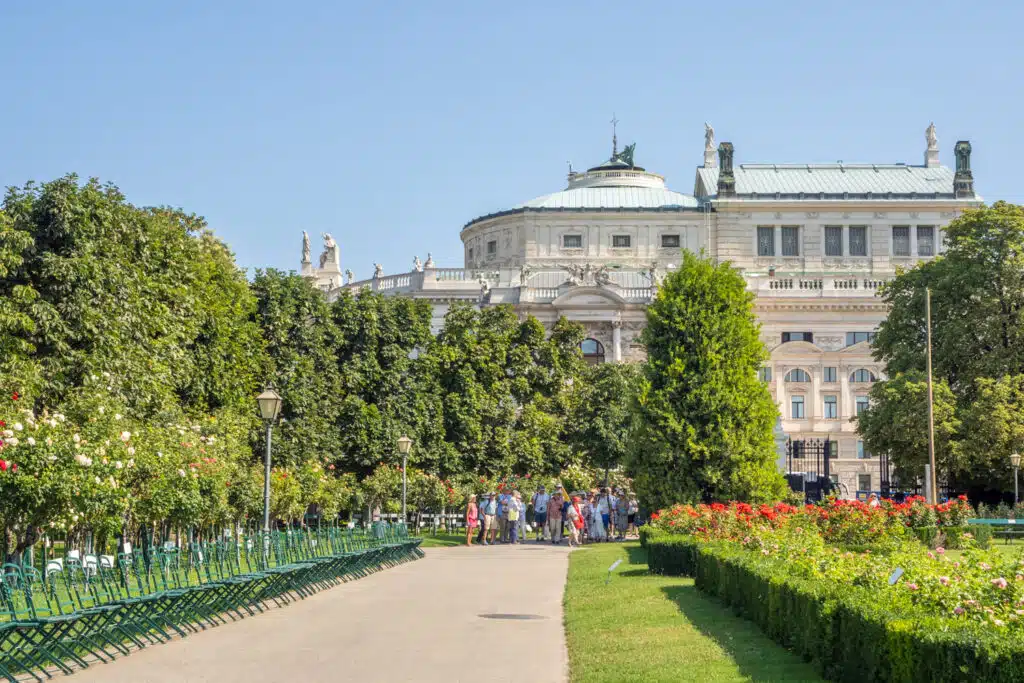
931	414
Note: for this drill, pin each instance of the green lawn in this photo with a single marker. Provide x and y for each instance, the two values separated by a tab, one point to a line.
442	540
647	628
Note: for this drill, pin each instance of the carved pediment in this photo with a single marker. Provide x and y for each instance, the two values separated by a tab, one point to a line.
588	296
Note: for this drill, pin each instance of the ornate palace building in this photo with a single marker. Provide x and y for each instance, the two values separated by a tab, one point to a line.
814	242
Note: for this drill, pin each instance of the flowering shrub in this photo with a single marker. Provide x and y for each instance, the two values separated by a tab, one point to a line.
839	522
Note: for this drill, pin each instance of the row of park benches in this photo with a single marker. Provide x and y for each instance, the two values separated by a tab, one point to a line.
94	608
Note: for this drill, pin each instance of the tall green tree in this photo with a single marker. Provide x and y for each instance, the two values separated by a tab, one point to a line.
386	384
896	424
603	415
91	284
704	421
992	430
301	340
977	303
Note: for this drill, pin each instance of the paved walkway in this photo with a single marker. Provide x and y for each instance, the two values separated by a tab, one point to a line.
420	621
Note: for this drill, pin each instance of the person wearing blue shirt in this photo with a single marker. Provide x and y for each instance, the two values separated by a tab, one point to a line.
490	508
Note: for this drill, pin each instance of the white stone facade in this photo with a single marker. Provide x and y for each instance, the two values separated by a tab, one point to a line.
814	243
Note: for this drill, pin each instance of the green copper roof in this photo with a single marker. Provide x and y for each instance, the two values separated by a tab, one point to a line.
832	181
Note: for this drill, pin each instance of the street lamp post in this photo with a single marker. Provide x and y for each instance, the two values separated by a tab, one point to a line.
404	444
1015	461
270	407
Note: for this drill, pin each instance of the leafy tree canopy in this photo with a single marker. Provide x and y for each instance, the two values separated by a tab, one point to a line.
704	421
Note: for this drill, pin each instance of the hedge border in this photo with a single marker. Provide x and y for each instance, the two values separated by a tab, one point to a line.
846	631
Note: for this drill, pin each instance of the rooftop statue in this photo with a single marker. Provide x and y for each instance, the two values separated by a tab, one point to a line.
709	137
416	264
626	155
430	261
378	271
305	247
330	253
349	276
933	140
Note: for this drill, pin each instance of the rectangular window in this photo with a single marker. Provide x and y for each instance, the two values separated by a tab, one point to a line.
670	241
834	478
863	482
765	241
862	404
492	247
858	240
829	376
790	240
831	407
833	240
833	449
861	452
765	374
572	241
471	253
620	241
901	240
926	240
797	404
797	336
857	337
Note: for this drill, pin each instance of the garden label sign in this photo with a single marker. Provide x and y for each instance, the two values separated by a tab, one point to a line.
895	576
615	564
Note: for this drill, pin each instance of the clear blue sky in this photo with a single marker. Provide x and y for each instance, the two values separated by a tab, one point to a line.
392	124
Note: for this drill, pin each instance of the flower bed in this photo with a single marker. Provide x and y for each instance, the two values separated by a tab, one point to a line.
796	572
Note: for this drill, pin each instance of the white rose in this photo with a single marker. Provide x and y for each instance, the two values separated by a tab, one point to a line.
60	417
125	436
52	458
93	377
117	416
51	422
8	433
181	473
12	442
82	460
196	428
106	375
18	427
159	454
131	463
31	441
131	450
118	464
209	440
97	480
76	438
102	410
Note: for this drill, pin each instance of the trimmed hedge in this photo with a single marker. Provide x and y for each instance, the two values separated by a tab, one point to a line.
847	631
953	537
671	555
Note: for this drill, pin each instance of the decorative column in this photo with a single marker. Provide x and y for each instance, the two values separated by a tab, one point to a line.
617	340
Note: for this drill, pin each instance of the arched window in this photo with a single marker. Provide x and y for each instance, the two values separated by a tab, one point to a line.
593	351
862	376
797	375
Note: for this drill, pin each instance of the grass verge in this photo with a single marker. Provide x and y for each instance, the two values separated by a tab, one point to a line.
646	628
442	540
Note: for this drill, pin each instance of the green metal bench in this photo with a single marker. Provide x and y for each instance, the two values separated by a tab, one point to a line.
1007	529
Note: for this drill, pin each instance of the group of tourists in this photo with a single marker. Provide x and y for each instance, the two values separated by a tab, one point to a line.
599	515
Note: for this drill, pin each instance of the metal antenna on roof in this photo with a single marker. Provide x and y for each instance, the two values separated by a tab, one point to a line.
615	139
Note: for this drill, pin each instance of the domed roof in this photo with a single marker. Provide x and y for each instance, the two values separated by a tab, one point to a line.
616	185
615	197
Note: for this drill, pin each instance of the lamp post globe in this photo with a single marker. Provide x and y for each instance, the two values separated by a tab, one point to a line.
404	444
269	403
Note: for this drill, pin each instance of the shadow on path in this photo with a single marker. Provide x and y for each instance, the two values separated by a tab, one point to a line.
757	656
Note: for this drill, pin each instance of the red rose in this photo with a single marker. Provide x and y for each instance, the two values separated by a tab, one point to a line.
14	467
14	396
330	467
3	465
